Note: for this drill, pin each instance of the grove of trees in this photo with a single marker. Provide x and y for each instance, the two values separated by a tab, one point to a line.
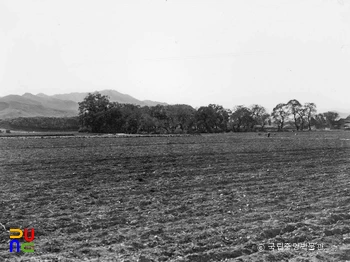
97	114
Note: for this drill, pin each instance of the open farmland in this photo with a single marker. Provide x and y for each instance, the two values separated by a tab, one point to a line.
192	198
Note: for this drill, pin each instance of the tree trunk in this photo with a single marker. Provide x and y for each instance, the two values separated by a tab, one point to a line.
295	123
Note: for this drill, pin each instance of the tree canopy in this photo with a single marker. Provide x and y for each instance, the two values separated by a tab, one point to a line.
98	114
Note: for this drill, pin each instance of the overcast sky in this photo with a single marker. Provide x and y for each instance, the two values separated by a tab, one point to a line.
180	51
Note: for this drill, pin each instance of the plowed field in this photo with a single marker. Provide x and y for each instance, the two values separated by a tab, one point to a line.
222	197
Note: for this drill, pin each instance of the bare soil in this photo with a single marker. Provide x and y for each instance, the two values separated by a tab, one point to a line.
222	197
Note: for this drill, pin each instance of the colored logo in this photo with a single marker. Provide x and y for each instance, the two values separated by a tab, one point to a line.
28	246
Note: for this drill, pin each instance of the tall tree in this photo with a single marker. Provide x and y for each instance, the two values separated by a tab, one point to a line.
294	107
310	111
331	118
181	116
279	114
147	123
159	112
302	113
241	117
259	115
205	119
222	117
131	118
319	121
92	110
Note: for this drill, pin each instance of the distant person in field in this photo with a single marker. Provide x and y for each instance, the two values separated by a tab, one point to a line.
268	134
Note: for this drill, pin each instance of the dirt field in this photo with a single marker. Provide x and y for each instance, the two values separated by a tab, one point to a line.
222	197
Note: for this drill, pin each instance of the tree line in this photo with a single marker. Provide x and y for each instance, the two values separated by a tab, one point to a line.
99	115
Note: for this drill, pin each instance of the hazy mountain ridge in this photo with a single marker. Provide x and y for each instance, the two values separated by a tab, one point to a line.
29	105
59	105
114	96
66	105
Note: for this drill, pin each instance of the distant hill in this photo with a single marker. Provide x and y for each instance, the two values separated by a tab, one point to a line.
60	105
29	105
114	96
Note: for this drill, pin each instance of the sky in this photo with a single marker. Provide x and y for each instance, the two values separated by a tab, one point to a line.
227	52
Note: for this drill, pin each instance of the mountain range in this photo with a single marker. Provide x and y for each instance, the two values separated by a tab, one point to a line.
66	105
59	105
